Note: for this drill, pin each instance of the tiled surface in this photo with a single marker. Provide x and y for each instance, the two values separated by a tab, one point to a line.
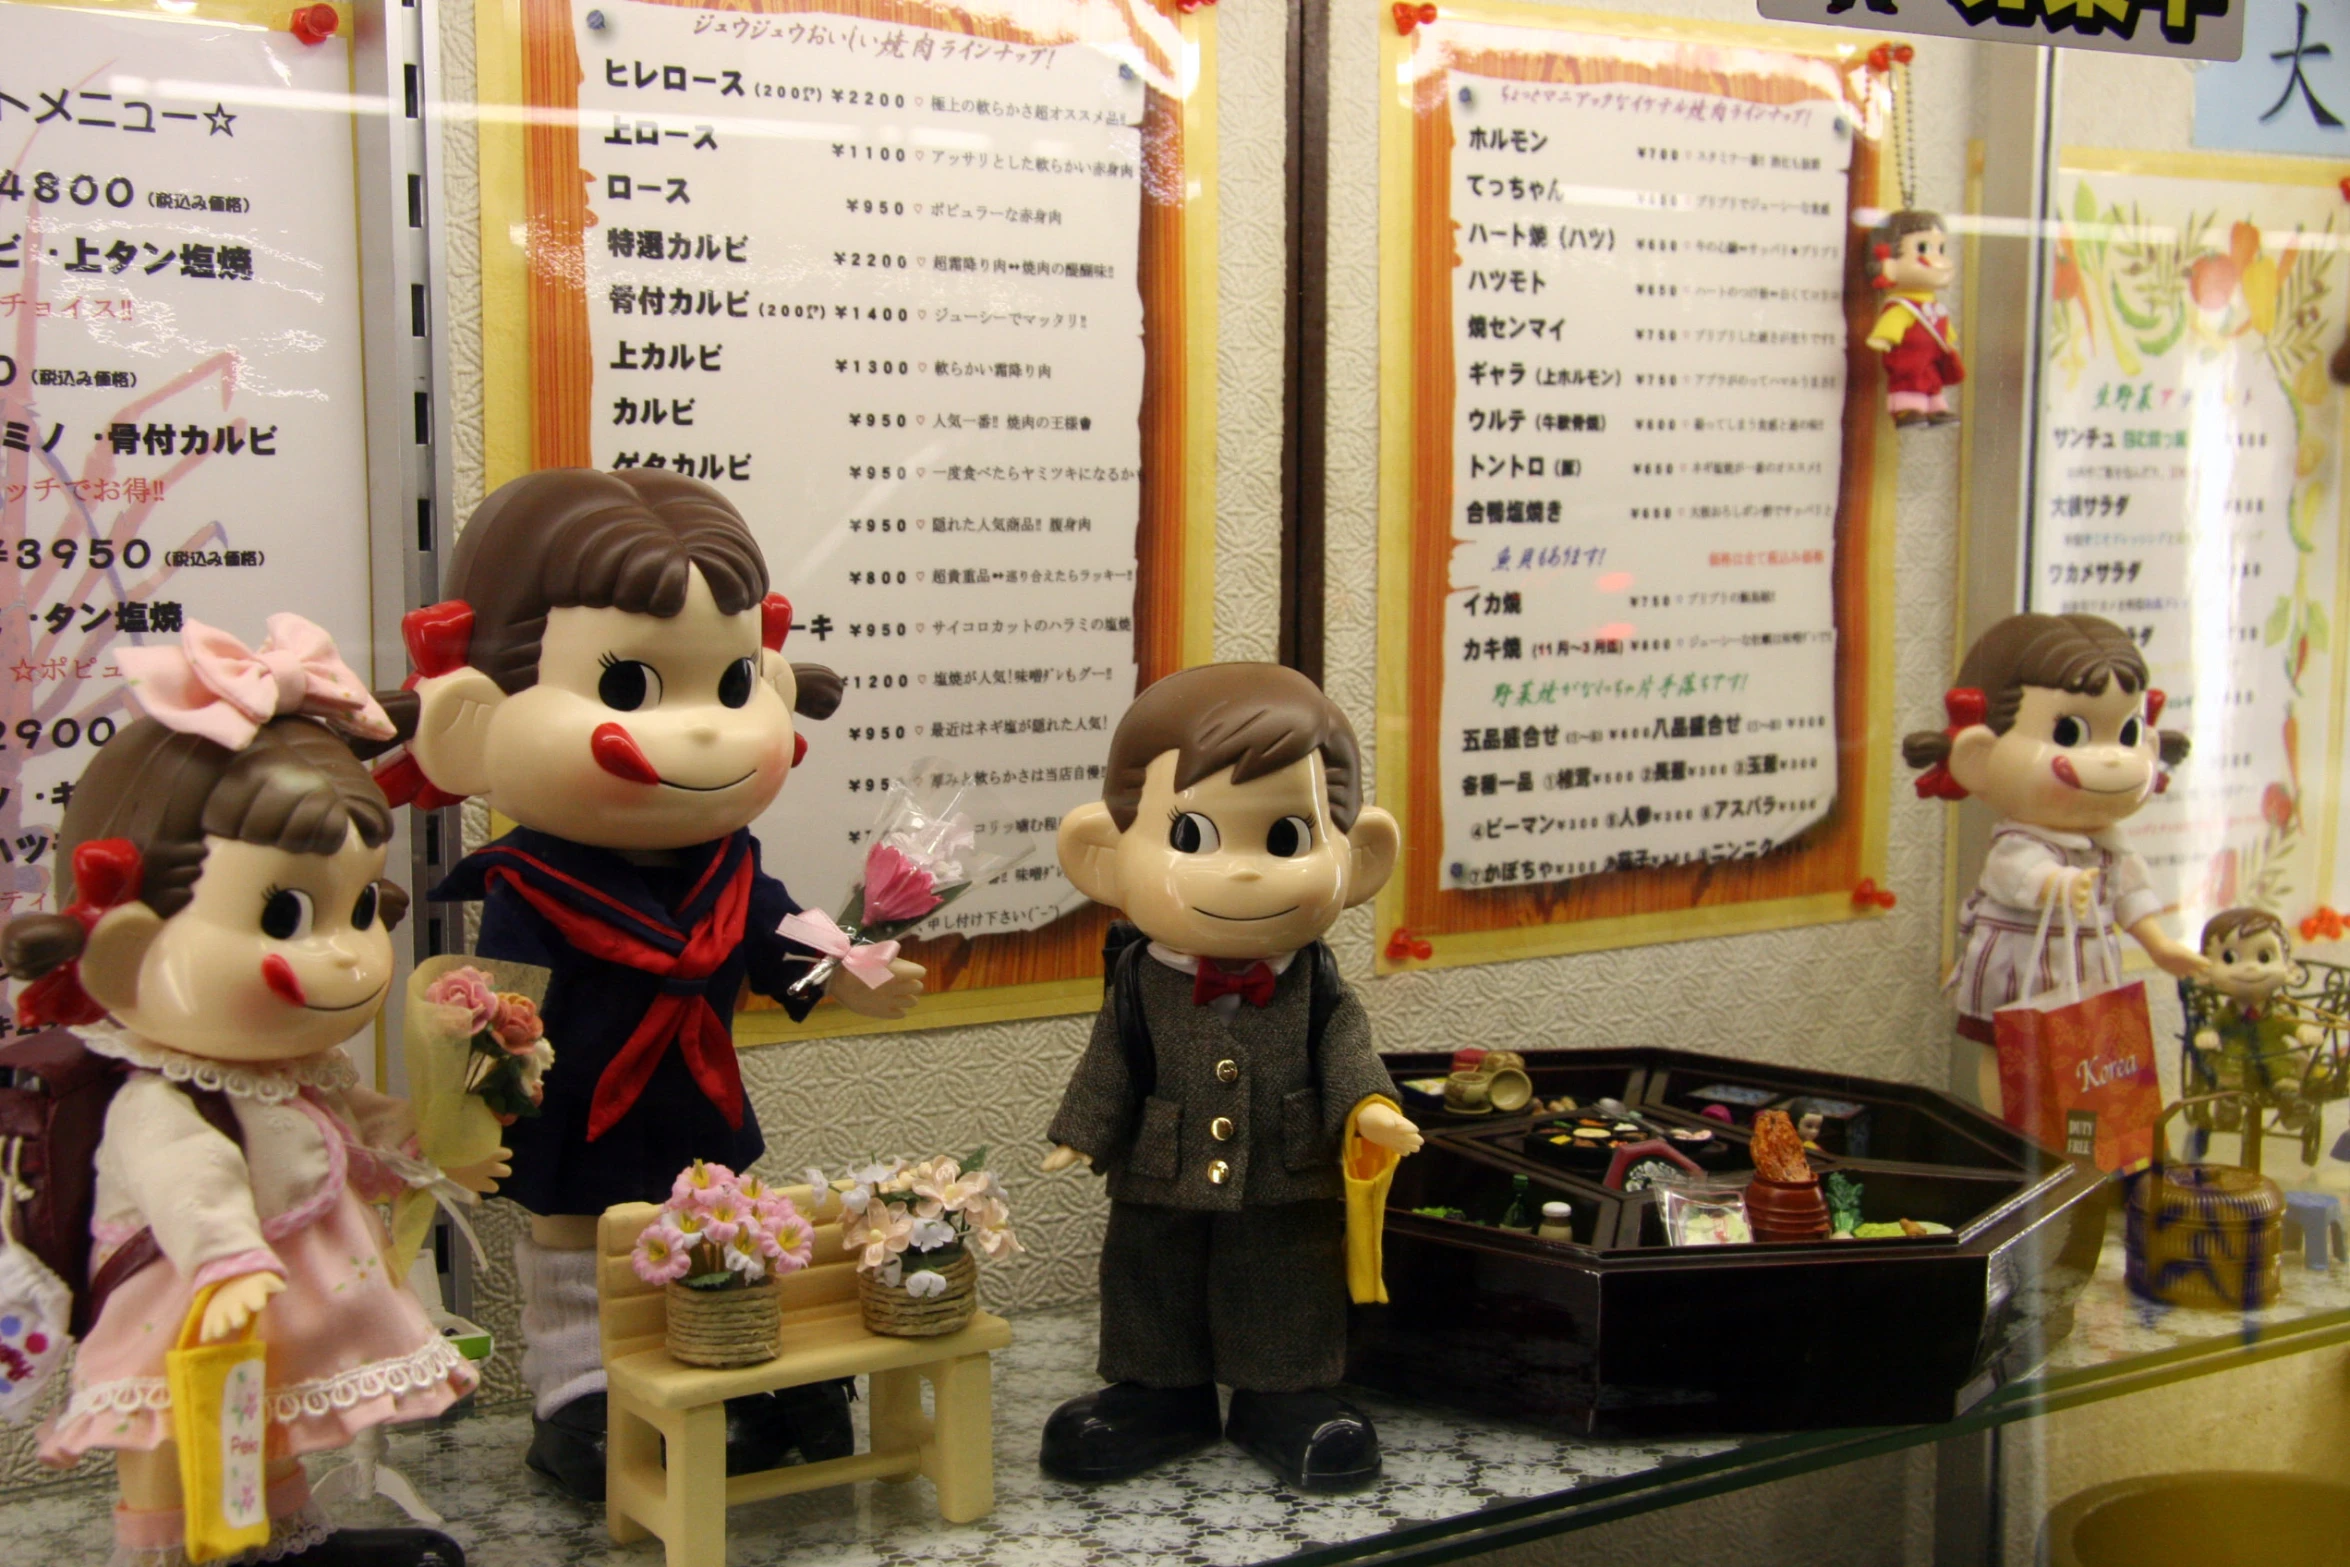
1216	1509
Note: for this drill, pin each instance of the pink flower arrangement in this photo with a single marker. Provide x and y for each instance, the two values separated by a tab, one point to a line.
719	1230
905	1221
511	1055
924	854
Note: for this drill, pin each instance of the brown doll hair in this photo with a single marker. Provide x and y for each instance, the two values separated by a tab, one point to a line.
2242	922
2075	653
566	538
1886	238
298	786
1253	718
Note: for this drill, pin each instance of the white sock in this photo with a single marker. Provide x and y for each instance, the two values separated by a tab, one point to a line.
562	1355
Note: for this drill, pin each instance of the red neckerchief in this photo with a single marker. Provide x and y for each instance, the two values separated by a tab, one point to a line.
681	1013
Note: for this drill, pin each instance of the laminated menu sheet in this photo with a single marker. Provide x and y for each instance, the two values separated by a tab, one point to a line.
1630	479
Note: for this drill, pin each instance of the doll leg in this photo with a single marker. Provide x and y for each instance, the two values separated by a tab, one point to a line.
562	1357
1974	1072
1277	1308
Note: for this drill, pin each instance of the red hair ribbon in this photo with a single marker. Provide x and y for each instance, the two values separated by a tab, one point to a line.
440	642
1966	708
1403	944
1883	253
106	875
774	621
2155	702
1408	17
1871	896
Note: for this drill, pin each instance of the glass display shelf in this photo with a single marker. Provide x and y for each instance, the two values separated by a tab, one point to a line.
1454	1486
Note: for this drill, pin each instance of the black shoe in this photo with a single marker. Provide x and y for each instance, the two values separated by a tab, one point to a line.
1316	1441
763	1430
568	1447
1125	1428
383	1548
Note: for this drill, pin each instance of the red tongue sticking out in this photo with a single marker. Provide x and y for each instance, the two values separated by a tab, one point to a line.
614	749
278	975
2062	767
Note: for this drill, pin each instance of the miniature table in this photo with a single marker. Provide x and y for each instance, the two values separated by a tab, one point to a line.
682	1496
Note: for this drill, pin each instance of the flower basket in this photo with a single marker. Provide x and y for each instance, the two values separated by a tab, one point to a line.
897	1311
738	1326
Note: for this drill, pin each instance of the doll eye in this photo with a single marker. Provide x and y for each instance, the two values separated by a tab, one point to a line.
2228	957
628	685
1289	837
734	687
363	911
2070	731
286	914
1193	833
2130	732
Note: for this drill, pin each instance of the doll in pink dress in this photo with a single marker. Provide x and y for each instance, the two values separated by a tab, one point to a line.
2053	723
226	926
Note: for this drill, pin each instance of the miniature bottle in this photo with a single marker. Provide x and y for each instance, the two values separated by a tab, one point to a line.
1554	1226
1518	1215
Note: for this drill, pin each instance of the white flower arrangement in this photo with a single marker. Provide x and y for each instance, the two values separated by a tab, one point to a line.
907	1220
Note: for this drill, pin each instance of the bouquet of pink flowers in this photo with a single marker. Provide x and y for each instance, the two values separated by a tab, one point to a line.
908	1220
508	1067
924	855
720	1230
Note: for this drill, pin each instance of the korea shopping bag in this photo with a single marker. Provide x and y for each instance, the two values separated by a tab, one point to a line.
2076	1065
219	1419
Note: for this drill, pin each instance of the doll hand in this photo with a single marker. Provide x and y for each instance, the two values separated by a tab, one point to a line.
1387	1127
236	1303
1063	1156
2077	887
2207	1039
482	1179
894	997
2176	961
2310	1034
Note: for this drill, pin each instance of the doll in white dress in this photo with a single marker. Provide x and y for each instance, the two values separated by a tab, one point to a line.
224	929
2053	723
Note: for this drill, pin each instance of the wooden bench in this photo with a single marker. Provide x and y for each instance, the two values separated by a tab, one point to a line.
684	1502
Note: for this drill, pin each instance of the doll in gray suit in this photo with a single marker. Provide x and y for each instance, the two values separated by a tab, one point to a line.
1228	1068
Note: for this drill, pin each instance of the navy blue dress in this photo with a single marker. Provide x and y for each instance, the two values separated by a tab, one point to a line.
594	1004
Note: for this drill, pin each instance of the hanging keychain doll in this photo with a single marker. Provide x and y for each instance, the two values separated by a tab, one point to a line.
2053	723
225	927
607	674
1909	263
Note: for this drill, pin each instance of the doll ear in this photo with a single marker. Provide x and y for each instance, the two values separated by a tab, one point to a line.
1372	843
1970	756
452	730
117	947
1088	849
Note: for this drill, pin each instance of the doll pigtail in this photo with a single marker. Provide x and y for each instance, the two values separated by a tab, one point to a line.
46	949
439	638
1926	749
2171	745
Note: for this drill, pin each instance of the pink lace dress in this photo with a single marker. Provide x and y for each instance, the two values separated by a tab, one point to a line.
349	1347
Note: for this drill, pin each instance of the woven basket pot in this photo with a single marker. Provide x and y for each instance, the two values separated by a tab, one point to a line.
890	1309
729	1327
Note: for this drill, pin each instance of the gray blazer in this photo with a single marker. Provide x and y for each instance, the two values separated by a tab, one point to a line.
1237	1119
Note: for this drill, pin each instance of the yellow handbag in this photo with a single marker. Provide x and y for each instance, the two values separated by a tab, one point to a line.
220	1421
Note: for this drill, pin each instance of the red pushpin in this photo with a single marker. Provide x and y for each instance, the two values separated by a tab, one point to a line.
315	24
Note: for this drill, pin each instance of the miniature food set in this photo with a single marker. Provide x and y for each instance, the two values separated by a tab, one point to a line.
1761	1281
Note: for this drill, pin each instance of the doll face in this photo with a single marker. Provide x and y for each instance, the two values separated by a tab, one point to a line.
1228	870
2249	965
2077	763
643	732
279	955
1920	261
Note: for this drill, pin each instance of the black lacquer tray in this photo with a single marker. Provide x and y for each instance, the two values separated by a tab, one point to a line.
1621	1332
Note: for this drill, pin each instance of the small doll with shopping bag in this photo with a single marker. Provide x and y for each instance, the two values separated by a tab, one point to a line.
2053	723
225	926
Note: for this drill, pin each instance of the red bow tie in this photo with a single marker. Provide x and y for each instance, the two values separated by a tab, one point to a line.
1253	984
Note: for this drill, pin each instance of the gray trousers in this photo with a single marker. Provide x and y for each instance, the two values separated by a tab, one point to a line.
1254	1299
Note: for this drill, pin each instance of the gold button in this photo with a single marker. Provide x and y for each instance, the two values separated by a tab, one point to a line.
1227	1071
1218	1173
1221	1128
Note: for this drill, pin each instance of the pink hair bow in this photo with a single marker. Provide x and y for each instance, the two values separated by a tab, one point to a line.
820	932
214	686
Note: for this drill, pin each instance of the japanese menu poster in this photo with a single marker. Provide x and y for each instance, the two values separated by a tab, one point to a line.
886	285
179	371
1638	351
2190	491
